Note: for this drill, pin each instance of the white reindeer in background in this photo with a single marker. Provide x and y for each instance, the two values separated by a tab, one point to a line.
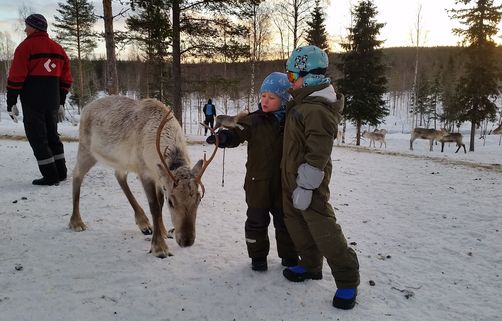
128	135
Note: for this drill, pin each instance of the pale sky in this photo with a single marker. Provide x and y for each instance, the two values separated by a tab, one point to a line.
400	17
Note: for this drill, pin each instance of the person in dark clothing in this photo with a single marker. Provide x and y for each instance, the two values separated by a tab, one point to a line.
40	74
209	111
263	130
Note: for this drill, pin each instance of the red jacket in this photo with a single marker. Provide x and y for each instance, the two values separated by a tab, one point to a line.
40	73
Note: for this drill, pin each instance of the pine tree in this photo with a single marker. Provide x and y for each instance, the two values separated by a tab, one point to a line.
479	87
198	28
150	29
316	32
424	107
111	79
363	81
206	28
449	101
74	28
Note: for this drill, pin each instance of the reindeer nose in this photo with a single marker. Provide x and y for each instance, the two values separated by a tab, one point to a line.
185	241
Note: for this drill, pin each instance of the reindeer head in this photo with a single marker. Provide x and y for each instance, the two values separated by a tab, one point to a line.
183	198
181	189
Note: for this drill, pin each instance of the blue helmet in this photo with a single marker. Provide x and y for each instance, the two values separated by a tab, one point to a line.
311	63
308	59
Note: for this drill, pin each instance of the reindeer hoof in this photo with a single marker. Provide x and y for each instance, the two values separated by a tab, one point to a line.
146	230
77	227
161	253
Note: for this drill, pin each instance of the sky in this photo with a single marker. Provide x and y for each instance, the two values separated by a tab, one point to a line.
399	16
425	226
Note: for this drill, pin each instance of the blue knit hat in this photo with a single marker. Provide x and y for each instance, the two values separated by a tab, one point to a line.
37	21
277	83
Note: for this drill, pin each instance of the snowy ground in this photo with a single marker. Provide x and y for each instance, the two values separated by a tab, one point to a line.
426	227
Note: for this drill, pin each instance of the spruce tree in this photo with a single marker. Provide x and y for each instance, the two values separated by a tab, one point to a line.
479	86
316	31
363	79
74	28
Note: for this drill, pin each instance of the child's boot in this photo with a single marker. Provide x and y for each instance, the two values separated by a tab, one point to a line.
345	299
299	274
289	261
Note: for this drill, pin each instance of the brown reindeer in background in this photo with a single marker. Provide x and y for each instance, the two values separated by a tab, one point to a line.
129	135
498	130
427	133
453	138
378	135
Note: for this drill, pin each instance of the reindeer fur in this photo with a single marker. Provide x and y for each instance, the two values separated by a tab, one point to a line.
121	133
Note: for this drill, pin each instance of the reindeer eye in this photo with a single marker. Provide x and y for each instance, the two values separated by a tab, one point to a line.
170	203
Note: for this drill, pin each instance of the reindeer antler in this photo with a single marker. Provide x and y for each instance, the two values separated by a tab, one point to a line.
205	162
157	144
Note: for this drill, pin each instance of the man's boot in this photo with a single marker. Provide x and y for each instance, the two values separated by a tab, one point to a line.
49	173
61	168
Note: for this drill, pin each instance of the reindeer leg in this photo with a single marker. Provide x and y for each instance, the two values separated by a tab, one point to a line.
139	214
159	246
432	142
411	143
160	197
85	161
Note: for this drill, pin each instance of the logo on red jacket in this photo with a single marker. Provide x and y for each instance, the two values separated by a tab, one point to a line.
49	66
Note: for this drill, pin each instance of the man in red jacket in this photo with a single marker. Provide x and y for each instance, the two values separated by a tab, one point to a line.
40	74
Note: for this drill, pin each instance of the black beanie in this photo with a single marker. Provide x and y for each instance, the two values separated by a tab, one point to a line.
37	21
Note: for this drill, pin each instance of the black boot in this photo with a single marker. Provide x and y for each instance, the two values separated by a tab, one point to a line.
45	181
259	264
49	173
61	167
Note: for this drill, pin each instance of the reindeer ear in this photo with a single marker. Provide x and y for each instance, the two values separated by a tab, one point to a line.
197	168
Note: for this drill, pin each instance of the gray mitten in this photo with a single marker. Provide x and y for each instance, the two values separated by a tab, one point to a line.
13	112
61	113
302	198
308	179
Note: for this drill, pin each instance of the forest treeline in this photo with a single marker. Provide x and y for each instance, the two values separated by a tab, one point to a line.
233	81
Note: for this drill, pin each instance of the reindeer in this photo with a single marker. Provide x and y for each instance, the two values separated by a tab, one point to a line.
229	121
340	136
453	138
128	135
377	135
427	133
498	130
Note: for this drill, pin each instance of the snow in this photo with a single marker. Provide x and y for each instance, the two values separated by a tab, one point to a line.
426	227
